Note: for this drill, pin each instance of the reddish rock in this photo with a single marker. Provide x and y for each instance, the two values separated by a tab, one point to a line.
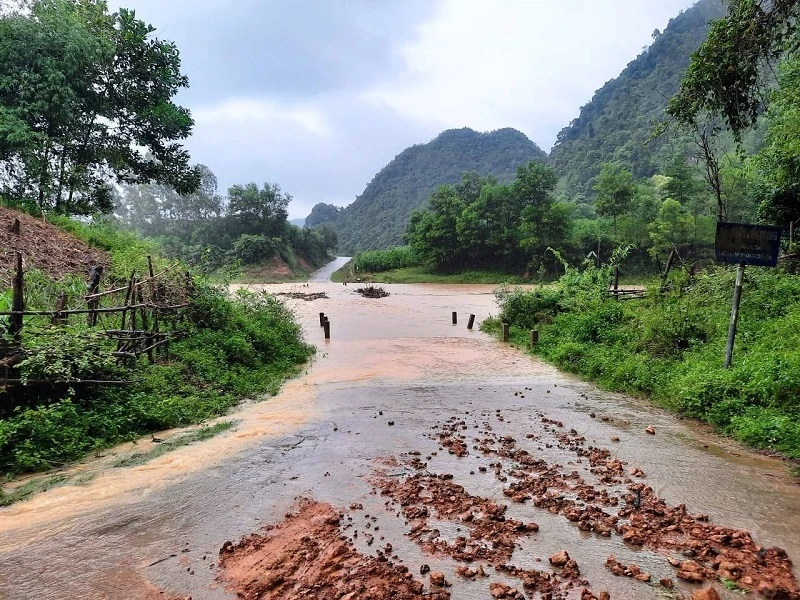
437	578
559	559
604	596
651	430
706	594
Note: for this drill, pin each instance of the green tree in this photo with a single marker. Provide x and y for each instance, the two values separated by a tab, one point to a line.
86	97
258	211
673	227
615	190
726	75
777	165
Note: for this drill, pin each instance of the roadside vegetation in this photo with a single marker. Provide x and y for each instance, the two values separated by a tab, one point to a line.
230	348
670	345
89	129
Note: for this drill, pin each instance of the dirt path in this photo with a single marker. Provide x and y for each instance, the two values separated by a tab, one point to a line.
414	447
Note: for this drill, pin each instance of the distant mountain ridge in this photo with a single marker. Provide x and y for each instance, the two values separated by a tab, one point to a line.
615	126
378	217
618	123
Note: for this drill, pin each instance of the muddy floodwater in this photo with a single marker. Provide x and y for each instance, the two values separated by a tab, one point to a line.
394	389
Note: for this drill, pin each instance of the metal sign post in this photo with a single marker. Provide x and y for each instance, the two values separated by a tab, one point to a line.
740	244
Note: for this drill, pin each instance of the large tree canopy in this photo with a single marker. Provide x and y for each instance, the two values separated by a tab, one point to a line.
86	98
725	77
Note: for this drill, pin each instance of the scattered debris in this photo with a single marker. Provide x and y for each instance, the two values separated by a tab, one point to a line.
305	556
372	291
307	296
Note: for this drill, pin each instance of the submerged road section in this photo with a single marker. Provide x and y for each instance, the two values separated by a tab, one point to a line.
417	459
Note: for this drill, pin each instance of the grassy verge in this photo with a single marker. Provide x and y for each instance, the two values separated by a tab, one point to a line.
670	347
422	274
232	348
204	433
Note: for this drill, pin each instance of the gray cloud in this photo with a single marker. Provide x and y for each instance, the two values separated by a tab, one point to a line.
318	95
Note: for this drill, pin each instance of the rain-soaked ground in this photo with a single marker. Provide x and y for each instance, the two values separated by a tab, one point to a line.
129	532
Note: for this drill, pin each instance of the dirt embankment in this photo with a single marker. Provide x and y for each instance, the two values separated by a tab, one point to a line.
43	246
306	556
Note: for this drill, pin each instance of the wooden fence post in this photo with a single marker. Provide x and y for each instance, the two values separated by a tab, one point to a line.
505	332
534	337
327	328
94	283
61	304
455	318
471	321
322	319
17	302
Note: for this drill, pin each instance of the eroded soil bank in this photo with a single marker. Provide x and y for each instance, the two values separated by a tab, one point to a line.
366	436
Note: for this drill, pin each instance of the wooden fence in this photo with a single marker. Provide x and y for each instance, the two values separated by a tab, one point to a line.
139	316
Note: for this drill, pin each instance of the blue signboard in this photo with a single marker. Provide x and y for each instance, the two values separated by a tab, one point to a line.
741	244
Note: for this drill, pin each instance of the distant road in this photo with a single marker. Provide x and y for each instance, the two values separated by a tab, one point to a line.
324	274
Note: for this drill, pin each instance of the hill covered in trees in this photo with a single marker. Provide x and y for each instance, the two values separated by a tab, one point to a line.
622	116
378	217
617	126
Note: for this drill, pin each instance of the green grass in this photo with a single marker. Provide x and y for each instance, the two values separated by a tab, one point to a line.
204	433
670	347
422	274
30	488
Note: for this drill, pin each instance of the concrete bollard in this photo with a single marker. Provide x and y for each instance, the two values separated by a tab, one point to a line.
505	332
471	321
321	319
455	318
534	337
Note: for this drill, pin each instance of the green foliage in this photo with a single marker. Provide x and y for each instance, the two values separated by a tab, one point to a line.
617	125
232	348
86	95
253	248
615	191
670	346
378	217
377	261
204	433
725	77
213	236
66	355
480	223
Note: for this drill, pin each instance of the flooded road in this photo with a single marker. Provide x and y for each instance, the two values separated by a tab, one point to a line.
323	275
379	392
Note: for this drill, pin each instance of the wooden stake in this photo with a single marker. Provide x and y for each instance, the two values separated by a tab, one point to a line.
534	337
94	282
455	318
322	319
327	329
61	304
505	332
17	302
471	321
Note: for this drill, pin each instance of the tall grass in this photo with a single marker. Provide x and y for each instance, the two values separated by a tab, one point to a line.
377	261
670	346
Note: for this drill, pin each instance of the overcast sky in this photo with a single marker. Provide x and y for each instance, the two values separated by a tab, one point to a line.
318	95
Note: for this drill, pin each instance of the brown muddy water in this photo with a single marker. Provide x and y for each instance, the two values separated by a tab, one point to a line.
129	532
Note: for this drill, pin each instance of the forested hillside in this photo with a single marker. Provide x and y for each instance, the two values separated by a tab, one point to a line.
617	124
378	217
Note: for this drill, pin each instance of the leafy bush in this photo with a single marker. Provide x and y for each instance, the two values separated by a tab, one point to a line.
670	346
234	348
